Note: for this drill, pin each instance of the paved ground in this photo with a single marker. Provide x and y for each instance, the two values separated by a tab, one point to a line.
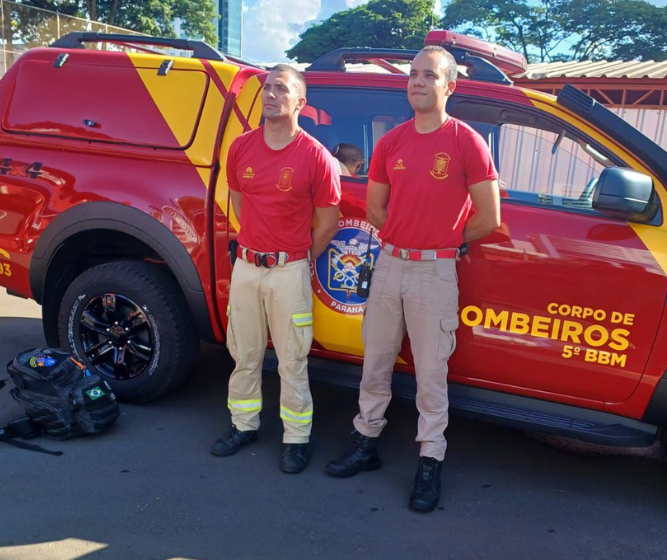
149	489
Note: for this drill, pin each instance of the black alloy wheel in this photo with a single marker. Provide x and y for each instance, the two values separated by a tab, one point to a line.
129	322
116	336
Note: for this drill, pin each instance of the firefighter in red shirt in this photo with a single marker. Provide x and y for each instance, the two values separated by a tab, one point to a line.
426	176
279	177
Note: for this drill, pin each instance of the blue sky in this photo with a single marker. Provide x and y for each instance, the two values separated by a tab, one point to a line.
271	27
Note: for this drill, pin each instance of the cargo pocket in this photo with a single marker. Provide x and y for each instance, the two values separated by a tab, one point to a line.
231	341
446	340
302	327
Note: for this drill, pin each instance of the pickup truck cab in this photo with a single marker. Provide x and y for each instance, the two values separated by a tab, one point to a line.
115	217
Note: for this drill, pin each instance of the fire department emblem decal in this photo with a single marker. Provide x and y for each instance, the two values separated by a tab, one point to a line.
337	269
440	165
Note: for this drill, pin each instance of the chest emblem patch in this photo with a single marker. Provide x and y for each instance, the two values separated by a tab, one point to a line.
249	173
440	165
399	166
285	179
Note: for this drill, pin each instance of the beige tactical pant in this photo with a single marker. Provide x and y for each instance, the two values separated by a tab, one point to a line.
278	299
422	297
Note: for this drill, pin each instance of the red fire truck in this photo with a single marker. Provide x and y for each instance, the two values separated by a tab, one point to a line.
114	216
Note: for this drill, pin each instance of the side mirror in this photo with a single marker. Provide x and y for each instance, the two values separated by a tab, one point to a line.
625	193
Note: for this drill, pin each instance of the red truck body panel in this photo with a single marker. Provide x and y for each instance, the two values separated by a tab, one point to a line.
556	305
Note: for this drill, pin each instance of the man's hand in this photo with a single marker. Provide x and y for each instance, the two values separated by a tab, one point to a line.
486	201
326	228
377	202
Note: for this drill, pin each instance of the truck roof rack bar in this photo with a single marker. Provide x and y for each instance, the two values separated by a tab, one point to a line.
334	61
239	60
199	48
479	69
508	61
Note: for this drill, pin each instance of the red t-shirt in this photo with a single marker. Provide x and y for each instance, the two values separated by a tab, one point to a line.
280	189
429	175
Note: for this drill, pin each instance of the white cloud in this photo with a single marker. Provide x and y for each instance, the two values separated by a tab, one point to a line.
270	27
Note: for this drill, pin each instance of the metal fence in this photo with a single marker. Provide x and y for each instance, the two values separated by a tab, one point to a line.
24	27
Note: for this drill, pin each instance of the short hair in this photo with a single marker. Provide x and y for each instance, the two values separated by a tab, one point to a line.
452	69
298	76
348	153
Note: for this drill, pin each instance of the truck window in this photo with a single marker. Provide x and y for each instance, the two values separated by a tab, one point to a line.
547	167
353	116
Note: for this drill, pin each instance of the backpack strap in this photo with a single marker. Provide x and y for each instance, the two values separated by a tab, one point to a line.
28	446
24	428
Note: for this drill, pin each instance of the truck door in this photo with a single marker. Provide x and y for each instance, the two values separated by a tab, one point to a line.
561	300
245	114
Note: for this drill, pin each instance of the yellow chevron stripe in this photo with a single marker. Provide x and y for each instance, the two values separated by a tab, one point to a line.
655	240
222	70
245	101
175	96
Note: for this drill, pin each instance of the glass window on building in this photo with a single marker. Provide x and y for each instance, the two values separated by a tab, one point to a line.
230	26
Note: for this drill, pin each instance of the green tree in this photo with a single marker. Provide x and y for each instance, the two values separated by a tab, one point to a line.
531	28
546	30
624	29
157	17
400	24
154	17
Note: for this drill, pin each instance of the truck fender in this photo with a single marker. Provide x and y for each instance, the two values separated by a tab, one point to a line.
136	223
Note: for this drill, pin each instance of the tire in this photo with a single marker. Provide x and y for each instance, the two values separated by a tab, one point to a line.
130	323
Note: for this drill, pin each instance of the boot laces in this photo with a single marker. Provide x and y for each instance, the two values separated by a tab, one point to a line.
426	474
229	434
294	450
357	447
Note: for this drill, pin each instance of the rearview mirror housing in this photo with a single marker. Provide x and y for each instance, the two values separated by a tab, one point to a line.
625	193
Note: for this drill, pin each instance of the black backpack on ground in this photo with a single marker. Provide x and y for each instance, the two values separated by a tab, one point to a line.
61	397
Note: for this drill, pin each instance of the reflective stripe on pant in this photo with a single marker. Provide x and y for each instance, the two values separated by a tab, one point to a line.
278	300
422	298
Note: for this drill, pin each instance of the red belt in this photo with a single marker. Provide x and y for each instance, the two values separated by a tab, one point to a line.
269	260
421	254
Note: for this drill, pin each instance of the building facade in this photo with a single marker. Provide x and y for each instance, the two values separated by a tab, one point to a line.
230	26
636	91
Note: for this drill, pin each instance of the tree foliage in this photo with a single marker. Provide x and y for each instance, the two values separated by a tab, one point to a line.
619	29
399	24
546	30
154	17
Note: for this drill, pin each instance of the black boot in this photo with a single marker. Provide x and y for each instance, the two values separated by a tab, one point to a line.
231	441
362	455
426	493
295	457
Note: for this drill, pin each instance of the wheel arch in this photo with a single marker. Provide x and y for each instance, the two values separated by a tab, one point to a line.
60	255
